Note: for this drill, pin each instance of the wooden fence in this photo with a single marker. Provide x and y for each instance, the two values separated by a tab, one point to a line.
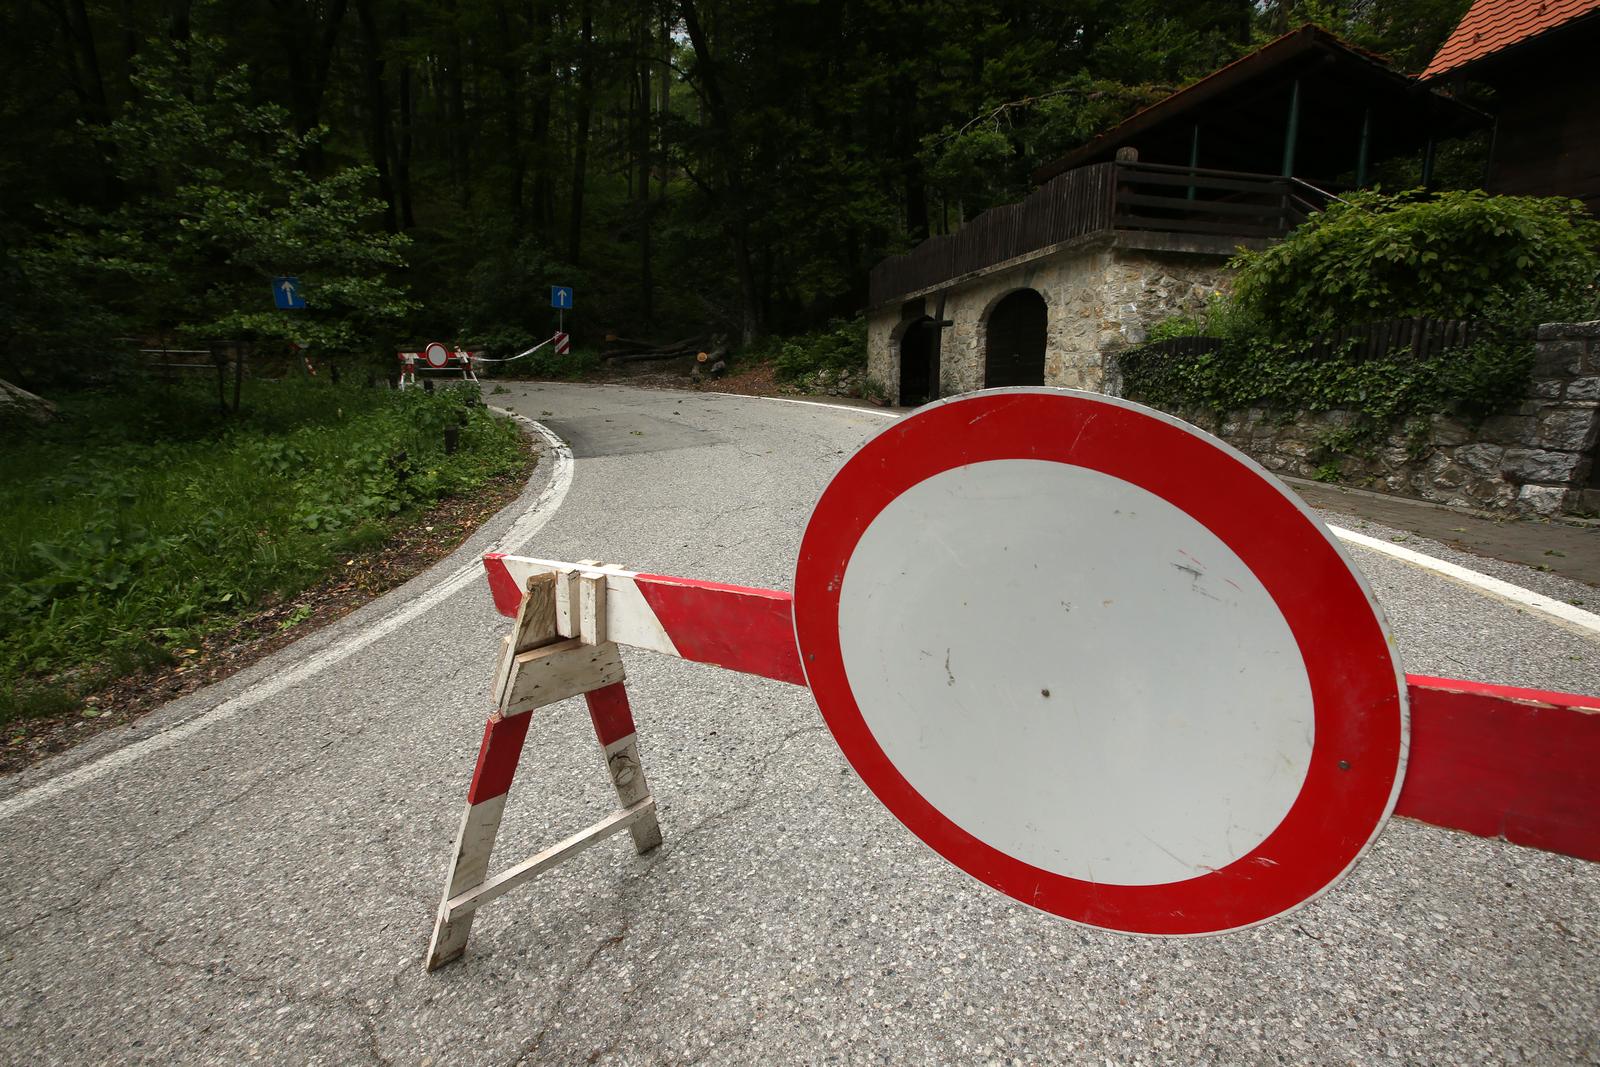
1096	198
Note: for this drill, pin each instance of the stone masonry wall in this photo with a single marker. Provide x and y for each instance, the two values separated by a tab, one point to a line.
1535	459
1099	298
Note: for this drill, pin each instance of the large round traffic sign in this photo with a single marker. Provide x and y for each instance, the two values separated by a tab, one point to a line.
436	354
1101	661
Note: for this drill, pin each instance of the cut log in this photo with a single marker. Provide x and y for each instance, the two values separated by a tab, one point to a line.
15	400
634	357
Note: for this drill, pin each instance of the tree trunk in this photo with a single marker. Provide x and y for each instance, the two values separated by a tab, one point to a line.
308	52
402	167
515	160
89	85
642	155
543	183
377	109
736	230
666	105
580	152
460	159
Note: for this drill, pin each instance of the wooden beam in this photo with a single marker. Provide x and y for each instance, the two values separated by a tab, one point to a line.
509	879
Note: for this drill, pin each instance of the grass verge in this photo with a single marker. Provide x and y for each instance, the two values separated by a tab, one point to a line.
141	523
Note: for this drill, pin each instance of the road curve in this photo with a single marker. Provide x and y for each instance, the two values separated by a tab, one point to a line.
262	887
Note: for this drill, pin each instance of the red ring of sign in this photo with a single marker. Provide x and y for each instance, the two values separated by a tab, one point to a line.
437	354
1357	689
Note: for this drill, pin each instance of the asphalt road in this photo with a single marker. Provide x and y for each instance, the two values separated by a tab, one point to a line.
250	874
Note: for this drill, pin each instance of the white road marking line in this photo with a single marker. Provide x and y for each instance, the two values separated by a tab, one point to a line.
1515	594
1483	583
814	404
525	526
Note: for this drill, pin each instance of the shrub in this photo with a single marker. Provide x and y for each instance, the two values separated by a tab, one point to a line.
842	346
124	538
1506	263
1508	260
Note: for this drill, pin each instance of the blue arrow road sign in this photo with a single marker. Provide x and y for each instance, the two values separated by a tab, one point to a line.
561	297
286	293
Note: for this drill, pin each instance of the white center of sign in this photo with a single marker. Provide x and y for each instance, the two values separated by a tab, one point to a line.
1076	672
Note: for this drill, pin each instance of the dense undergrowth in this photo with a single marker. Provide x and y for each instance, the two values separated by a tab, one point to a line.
143	518
1503	263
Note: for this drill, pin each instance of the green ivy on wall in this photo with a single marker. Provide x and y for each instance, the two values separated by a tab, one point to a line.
1506	263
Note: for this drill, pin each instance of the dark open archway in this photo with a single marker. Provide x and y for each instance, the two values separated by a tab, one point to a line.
918	372
1014	349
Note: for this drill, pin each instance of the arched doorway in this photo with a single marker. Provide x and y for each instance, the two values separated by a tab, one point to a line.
1014	350
918	374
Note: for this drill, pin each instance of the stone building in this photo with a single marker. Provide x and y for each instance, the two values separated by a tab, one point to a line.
1139	223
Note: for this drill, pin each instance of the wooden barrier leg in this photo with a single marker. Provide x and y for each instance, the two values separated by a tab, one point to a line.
486	803
613	726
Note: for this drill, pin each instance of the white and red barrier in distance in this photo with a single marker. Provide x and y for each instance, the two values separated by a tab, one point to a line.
436	357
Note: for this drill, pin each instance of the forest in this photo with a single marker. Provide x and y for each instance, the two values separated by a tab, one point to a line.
428	168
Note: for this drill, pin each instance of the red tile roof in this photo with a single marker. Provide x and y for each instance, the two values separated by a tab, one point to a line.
1494	25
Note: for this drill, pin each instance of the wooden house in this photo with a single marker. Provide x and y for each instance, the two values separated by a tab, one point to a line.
1137	224
1539	58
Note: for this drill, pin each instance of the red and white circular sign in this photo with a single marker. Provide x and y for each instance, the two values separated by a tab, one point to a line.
436	354
1101	661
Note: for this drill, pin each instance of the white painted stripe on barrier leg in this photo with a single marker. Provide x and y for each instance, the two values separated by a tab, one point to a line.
480	823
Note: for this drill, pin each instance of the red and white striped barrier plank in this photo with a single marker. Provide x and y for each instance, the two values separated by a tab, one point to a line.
742	629
1491	760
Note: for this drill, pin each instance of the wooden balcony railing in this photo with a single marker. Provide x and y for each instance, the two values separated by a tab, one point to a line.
1103	197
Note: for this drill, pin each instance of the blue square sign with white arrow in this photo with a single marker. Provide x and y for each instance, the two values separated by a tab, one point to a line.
286	293
561	297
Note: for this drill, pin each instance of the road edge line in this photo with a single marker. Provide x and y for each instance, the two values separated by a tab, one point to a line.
1483	583
1514	594
522	528
808	403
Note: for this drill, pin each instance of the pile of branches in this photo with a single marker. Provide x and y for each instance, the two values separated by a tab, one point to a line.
627	350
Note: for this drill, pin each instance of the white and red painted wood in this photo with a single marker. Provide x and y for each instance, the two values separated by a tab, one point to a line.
1494	761
537	668
1255	733
436	356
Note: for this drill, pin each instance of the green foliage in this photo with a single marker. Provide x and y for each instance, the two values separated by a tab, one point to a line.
547	363
1505	263
218	203
139	522
990	160
1510	261
742	179
1255	372
840	347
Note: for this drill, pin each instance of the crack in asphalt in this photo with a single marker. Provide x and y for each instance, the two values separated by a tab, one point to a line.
557	997
94	888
